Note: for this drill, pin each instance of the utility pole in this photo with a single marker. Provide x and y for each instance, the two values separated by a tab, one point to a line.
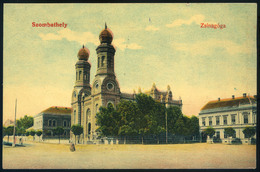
166	124
13	145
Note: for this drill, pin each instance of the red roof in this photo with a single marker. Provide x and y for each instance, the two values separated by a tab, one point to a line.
229	102
57	110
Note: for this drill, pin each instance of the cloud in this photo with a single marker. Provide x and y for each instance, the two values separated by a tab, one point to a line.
197	19
207	47
83	37
80	37
151	28
121	44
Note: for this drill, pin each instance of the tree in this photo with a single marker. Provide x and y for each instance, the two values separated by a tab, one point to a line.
27	133
107	121
21	131
128	115
32	133
229	131
77	130
249	132
194	126
209	131
39	133
25	122
9	131
173	114
145	105
59	131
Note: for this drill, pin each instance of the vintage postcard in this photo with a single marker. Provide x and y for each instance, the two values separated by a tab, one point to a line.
129	86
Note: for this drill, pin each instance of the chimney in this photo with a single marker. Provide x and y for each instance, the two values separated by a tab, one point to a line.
233	96
244	95
219	99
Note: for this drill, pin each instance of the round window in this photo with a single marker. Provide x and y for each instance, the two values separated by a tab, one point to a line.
96	85
110	86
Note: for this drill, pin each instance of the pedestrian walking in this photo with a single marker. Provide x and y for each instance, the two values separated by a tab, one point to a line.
72	147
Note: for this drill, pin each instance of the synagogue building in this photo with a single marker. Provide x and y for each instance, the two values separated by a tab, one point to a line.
88	98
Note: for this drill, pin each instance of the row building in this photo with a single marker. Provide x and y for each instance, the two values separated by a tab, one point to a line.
235	112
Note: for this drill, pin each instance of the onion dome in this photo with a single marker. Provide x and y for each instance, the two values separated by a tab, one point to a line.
106	35
83	53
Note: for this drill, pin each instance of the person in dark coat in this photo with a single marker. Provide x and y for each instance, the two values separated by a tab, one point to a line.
72	147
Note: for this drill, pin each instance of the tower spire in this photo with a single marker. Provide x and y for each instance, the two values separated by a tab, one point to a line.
83	46
105	25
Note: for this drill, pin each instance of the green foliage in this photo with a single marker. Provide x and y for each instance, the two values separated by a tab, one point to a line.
229	131
194	126
128	118
39	133
27	133
32	132
174	114
249	131
142	117
77	129
108	121
209	131
25	122
21	131
9	130
59	130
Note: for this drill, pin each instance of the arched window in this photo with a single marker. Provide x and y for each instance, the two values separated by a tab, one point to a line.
88	114
96	108
110	103
54	123
64	123
102	61
89	128
79	75
74	117
49	123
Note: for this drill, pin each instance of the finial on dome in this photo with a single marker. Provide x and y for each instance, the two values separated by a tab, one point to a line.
105	25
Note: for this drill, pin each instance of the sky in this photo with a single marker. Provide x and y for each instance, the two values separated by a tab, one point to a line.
155	43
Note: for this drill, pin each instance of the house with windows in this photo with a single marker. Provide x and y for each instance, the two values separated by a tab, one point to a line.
51	118
235	112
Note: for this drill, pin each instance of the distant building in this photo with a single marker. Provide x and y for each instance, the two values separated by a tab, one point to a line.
231	112
8	123
86	99
51	118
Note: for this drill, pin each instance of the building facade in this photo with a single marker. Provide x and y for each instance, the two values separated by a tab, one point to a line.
231	112
8	123
52	118
87	99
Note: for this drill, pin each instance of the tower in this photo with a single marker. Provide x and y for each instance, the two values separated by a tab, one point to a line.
82	87
105	85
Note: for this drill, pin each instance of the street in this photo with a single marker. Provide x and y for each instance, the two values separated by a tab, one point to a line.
175	156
